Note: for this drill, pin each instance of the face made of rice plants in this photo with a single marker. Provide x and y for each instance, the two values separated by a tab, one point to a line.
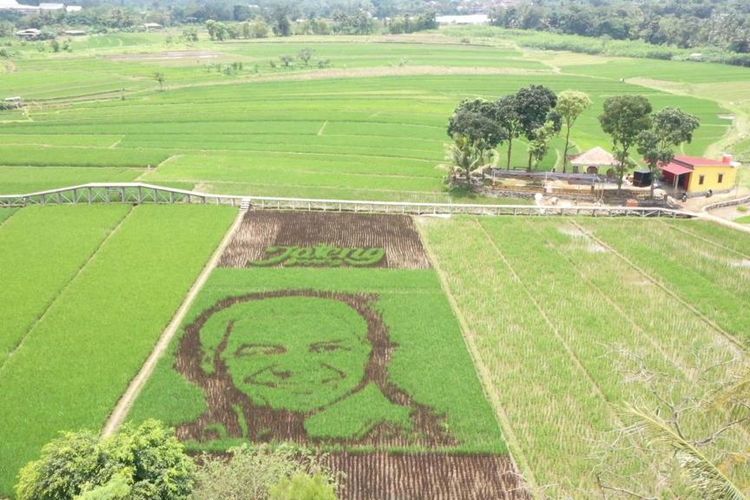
295	353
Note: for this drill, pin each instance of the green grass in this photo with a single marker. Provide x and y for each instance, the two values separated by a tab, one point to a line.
430	362
354	138
41	249
710	277
745	219
350	135
5	213
567	329
21	180
77	361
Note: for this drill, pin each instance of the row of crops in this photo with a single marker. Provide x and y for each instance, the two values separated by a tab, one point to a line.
379	138
573	319
87	291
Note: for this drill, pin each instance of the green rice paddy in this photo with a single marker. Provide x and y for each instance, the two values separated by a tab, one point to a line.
550	306
372	126
430	361
87	310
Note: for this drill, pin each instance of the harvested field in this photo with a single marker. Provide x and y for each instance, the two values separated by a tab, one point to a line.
427	475
261	230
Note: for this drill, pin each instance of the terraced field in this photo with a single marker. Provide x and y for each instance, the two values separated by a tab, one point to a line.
564	321
372	126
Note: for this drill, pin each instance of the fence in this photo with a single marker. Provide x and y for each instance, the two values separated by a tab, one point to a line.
728	203
148	193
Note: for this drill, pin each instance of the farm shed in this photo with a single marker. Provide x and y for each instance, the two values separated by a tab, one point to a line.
594	159
695	175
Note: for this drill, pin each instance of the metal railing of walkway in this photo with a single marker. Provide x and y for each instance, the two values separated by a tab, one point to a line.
139	193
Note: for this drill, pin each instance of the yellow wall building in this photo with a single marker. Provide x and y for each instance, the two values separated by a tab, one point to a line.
699	175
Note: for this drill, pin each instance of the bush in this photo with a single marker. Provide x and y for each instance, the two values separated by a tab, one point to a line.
303	487
255	472
137	463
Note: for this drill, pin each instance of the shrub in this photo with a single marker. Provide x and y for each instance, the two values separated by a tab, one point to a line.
303	487
255	472
137	463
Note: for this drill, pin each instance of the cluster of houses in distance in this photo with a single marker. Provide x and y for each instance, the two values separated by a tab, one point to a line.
13	5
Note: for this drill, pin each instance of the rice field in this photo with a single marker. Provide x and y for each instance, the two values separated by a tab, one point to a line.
367	363
370	127
563	320
570	317
92	289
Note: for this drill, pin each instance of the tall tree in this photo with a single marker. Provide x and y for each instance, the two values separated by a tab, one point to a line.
477	119
624	119
507	116
571	104
534	105
671	128
476	132
539	145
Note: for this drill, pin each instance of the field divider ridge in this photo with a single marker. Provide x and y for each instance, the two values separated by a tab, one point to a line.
661	285
514	447
8	218
724	222
707	240
59	294
121	410
576	360
627	318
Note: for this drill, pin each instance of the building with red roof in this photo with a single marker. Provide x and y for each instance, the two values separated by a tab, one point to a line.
695	175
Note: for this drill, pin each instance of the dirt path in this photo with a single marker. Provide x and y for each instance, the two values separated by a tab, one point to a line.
117	418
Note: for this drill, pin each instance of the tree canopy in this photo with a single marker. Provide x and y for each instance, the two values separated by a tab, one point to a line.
699	23
624	119
137	463
570	105
670	128
477	120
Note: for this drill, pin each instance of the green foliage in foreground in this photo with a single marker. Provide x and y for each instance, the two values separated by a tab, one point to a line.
431	361
72	368
302	487
259	472
137	463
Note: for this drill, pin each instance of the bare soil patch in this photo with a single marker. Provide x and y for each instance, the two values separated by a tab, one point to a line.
260	230
170	55
428	476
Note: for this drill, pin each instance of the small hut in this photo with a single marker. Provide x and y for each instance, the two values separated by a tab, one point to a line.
592	160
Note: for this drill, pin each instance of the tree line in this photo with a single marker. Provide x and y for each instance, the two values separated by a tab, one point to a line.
257	20
723	24
479	126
